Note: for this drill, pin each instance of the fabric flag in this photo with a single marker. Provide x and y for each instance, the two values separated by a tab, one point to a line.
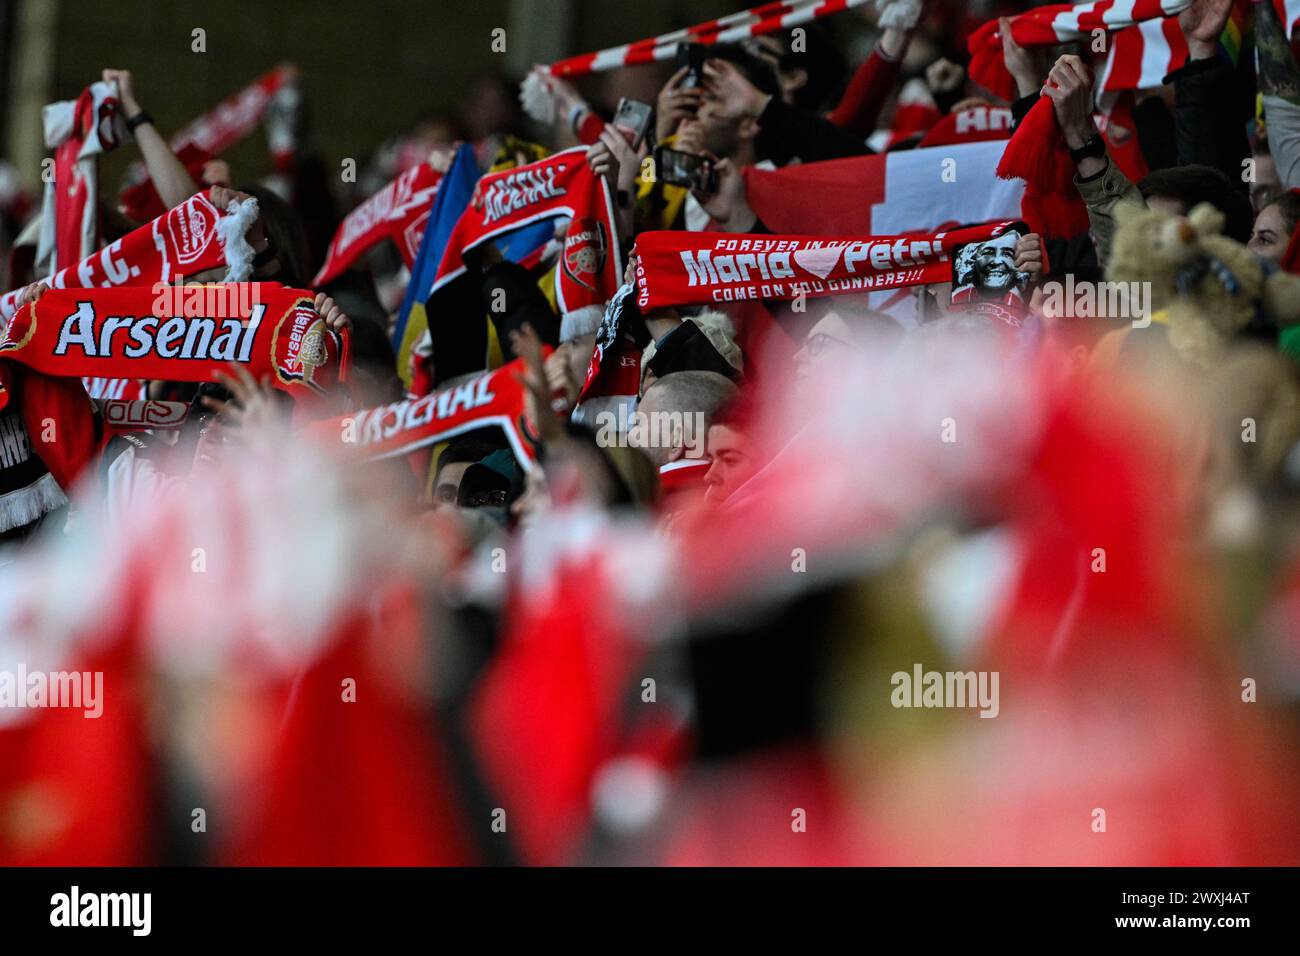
206	137
191	238
1064	23
399	212
78	131
177	334
493	398
687	268
454	193
451	200
915	190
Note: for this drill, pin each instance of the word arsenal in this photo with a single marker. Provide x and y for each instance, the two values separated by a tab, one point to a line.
519	190
804	264
177	336
375	425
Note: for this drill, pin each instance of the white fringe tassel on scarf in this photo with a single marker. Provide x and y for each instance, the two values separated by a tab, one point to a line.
24	505
232	230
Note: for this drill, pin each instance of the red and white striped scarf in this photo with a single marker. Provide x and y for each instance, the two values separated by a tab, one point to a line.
765	18
1131	64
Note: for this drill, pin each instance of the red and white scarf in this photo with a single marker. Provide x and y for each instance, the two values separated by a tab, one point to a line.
178	334
1066	22
559	186
191	238
493	398
399	212
765	18
78	131
687	268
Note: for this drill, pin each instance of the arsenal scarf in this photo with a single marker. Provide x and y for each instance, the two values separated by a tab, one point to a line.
615	366
559	186
493	398
1063	23
399	212
189	239
207	136
179	334
78	131
687	268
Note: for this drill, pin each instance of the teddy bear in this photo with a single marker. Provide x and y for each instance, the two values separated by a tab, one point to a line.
1204	288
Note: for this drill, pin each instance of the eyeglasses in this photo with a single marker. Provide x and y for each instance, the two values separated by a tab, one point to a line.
814	345
485	498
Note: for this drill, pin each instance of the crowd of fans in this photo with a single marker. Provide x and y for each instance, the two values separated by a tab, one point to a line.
658	623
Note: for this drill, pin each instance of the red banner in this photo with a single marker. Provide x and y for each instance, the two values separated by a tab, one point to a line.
177	334
399	212
689	268
493	398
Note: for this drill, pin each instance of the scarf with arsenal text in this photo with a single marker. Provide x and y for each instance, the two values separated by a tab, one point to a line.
178	334
191	238
689	268
559	186
399	212
493	398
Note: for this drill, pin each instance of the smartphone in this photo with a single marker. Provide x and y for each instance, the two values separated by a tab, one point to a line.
692	56
676	168
632	119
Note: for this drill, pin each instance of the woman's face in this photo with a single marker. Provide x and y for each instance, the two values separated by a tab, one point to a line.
1270	237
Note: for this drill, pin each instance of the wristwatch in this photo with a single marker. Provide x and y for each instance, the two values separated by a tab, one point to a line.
1093	146
138	120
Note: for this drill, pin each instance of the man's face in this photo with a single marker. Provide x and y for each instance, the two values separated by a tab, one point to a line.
995	267
446	485
732	466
